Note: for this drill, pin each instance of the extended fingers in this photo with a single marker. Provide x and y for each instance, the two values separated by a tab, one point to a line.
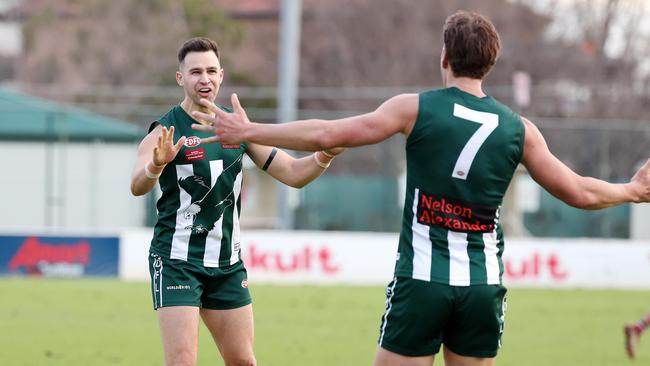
210	140
234	100
170	136
646	167
179	143
203	116
163	139
204	128
209	105
213	108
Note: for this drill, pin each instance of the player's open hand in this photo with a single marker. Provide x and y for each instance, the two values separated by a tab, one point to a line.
228	128
165	150
641	181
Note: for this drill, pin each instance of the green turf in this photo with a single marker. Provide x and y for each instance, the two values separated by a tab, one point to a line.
106	322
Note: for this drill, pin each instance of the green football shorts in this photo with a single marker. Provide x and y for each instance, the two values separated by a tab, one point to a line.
179	283
420	316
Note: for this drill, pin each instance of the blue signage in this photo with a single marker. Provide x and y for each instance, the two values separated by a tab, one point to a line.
59	256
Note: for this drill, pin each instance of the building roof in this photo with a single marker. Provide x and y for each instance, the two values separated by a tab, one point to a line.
27	118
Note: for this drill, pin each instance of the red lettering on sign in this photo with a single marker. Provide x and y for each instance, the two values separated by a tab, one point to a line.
535	266
33	251
303	259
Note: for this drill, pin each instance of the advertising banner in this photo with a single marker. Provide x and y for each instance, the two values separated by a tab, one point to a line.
317	257
313	257
59	256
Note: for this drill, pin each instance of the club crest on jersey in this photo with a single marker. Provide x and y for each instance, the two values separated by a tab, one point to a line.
192	141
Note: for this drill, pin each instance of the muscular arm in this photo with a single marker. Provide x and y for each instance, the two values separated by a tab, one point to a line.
573	189
291	171
397	114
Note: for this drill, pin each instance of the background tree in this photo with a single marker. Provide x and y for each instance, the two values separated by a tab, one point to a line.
76	43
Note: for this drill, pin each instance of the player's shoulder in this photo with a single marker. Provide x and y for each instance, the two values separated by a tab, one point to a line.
165	120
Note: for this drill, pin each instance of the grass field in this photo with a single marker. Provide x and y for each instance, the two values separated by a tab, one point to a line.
107	322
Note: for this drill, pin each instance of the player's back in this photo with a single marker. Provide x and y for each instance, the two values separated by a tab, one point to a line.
461	155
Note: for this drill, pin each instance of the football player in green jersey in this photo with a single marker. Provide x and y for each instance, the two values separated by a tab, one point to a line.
462	148
195	257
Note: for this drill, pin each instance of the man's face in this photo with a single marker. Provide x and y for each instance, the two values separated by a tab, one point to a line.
200	75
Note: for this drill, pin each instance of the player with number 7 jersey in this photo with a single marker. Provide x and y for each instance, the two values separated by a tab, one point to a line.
461	155
462	149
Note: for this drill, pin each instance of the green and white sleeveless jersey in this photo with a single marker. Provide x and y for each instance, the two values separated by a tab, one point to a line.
198	212
460	156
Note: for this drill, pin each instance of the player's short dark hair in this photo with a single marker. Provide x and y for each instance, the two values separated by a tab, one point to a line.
472	44
197	44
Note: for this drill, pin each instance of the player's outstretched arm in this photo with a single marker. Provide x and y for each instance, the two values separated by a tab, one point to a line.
294	172
397	114
156	150
573	189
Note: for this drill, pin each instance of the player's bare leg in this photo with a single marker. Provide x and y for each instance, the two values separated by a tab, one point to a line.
233	332
385	357
454	359
179	329
633	333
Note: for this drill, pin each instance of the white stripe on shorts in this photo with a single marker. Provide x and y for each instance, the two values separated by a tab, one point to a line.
388	308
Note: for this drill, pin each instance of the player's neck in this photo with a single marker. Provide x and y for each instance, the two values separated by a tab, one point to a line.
468	85
189	106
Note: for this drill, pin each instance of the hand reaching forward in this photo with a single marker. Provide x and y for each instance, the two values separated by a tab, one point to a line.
165	150
228	128
334	151
641	181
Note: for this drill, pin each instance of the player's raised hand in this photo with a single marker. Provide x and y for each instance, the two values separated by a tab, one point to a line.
227	127
165	150
641	180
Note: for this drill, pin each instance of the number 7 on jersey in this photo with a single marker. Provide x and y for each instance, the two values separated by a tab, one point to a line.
489	122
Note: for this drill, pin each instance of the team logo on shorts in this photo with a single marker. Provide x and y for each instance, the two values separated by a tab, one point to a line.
244	283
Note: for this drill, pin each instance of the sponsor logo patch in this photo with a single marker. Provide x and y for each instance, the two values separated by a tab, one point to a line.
195	154
192	141
244	283
455	215
230	146
178	287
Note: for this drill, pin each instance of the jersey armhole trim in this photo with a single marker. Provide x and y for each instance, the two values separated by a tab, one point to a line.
153	125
